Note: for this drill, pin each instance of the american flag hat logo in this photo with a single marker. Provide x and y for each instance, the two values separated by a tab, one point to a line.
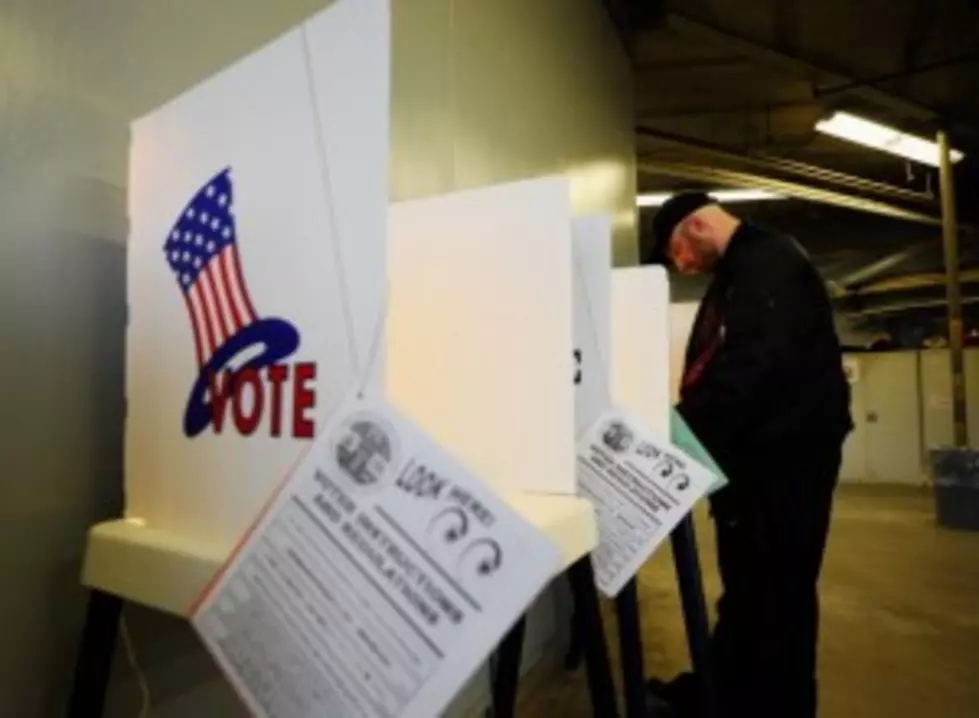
202	251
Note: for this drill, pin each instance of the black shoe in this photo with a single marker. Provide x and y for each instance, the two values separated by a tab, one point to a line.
657	701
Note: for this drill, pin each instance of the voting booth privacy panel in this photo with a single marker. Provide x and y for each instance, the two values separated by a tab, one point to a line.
256	269
258	305
641	345
479	329
592	259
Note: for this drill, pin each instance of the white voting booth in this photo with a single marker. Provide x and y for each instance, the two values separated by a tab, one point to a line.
480	341
264	288
641	344
257	244
311	373
592	298
480	328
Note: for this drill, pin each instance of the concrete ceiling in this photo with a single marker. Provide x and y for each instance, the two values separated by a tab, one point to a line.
735	87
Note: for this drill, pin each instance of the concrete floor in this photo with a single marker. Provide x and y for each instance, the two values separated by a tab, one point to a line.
900	622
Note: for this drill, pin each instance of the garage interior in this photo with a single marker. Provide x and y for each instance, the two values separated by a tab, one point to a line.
631	98
727	97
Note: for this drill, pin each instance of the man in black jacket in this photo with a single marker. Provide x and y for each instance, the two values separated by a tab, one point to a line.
764	391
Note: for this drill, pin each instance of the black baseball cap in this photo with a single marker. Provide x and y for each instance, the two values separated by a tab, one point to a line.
670	214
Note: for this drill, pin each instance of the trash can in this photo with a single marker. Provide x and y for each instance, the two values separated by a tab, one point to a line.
955	478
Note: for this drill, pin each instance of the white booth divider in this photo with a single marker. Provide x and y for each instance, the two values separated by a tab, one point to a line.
641	345
257	262
257	242
479	329
592	253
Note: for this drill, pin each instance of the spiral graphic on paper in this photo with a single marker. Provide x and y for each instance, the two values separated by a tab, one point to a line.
483	557
450	525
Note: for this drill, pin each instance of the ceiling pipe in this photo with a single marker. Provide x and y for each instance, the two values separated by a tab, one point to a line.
916	281
712	175
874	269
792	167
858	278
903	306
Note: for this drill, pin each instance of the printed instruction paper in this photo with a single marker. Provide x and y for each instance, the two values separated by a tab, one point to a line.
376	582
641	487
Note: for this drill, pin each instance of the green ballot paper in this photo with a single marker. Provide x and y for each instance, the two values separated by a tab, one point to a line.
684	438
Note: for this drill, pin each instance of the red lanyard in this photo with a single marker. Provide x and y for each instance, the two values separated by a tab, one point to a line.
696	368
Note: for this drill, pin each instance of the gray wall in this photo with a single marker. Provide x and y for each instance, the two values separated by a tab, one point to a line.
72	74
484	90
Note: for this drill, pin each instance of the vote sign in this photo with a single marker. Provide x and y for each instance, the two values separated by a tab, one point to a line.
257	203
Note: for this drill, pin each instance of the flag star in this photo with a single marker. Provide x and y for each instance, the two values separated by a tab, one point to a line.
186	256
190	212
175	256
197	263
186	279
175	234
215	224
186	236
210	246
209	191
222	200
199	239
204	217
226	232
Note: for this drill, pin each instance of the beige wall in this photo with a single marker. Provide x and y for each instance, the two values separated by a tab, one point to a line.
484	91
491	90
902	408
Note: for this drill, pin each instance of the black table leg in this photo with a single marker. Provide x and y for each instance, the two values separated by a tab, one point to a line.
93	664
695	613
600	685
630	651
506	671
572	659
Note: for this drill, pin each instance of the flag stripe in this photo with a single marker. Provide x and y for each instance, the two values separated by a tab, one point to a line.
213	311
194	328
209	327
226	264
217	296
201	325
242	287
214	304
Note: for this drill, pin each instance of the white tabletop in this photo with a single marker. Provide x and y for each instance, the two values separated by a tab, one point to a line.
167	572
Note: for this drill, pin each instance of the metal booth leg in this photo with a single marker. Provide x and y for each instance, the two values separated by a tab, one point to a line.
688	576
589	623
506	673
630	651
93	664
572	659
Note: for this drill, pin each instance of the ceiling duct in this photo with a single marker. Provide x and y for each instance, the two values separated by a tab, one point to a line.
734	178
769	163
864	275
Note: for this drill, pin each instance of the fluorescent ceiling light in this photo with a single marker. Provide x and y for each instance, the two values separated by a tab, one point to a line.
881	137
721	195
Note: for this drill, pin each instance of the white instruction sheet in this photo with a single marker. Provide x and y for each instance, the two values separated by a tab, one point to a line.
379	577
641	487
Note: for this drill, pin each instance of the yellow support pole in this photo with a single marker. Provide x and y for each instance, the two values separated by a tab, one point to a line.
953	291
